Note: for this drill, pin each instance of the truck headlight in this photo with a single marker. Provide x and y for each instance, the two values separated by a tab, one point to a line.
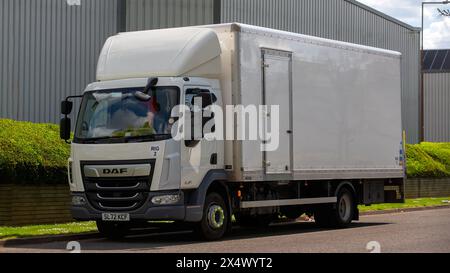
166	199
78	200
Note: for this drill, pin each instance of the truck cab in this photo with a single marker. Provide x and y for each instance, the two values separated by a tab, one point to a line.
124	157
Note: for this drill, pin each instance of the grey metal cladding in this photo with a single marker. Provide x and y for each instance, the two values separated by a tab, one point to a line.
436	108
155	14
344	20
49	50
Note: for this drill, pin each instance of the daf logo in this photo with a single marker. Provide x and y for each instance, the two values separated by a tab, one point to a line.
115	171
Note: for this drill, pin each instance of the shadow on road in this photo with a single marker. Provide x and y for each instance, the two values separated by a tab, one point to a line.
155	238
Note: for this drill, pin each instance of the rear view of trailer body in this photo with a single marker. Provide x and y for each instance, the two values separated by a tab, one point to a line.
340	106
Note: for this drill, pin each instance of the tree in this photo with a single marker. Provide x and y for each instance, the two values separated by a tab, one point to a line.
444	12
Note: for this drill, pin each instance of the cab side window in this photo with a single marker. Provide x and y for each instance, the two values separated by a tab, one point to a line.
200	98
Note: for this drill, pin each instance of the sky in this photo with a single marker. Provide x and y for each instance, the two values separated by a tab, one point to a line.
437	27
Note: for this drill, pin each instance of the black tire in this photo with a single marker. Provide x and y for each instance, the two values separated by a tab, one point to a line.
113	230
340	215
216	218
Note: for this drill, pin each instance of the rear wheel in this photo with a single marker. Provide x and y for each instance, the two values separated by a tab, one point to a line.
215	218
339	215
113	230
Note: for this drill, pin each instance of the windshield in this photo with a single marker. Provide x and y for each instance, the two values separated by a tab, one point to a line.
119	114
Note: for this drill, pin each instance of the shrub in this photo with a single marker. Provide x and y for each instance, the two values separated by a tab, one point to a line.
428	160
31	152
439	152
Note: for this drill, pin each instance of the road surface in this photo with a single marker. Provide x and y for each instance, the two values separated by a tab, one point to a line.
418	231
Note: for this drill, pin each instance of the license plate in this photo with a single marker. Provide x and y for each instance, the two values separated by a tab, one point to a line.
116	217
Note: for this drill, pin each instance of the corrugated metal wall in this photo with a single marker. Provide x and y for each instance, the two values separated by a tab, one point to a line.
345	21
49	50
152	14
437	107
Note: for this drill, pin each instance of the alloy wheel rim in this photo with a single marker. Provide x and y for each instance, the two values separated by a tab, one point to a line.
216	216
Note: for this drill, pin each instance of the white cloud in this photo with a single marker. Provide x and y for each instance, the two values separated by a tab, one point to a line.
437	36
408	11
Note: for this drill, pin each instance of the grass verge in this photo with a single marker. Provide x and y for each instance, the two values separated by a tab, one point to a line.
410	203
44	230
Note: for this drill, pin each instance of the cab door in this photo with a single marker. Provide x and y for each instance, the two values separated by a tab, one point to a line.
198	154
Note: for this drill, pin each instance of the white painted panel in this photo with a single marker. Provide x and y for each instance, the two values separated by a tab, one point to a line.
167	52
277	93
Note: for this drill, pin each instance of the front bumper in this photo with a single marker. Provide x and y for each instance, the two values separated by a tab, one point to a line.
181	211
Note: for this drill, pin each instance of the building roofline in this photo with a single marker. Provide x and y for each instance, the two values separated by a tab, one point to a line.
440	49
383	15
446	71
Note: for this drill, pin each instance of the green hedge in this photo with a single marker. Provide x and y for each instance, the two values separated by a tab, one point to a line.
31	152
428	160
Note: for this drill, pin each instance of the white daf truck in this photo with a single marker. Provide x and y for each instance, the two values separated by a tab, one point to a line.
338	126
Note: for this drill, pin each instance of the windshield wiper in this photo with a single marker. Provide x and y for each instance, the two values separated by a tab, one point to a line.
146	137
121	139
108	139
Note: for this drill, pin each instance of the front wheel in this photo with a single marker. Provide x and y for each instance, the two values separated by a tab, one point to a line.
113	230
215	219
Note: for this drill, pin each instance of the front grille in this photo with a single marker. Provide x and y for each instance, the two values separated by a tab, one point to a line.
117	193
113	194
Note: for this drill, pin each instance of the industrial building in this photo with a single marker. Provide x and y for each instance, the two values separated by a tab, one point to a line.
49	48
436	71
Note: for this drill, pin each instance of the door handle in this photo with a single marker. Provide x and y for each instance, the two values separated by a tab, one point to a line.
289	131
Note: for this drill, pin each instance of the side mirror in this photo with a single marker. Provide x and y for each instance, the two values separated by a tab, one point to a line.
64	129
151	83
66	107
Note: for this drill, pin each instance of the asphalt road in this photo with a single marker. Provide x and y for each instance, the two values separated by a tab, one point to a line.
418	231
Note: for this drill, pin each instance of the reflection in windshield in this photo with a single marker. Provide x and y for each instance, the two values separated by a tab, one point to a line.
118	113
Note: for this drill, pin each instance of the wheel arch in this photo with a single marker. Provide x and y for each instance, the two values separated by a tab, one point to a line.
348	185
214	180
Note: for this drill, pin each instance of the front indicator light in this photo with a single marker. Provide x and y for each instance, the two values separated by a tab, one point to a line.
78	200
